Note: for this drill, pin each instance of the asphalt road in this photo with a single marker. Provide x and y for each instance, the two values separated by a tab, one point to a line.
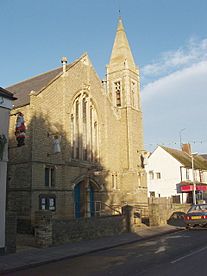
182	253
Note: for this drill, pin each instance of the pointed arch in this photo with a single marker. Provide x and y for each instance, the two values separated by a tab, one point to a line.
84	127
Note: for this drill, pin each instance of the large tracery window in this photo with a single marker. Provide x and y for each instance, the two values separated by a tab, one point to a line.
84	129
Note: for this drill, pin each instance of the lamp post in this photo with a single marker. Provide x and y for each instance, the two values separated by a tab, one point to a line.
194	185
191	155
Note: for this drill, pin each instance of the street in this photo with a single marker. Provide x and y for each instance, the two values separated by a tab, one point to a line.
182	253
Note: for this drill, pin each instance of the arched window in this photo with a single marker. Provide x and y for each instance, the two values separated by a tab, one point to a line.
84	129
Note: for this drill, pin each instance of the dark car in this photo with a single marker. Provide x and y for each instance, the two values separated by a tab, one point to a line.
196	216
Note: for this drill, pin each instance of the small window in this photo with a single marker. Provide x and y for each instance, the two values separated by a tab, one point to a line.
151	175
187	174
117	86
115	181
47	202
158	175
152	194
49	176
176	199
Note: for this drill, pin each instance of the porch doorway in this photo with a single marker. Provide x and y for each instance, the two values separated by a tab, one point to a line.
84	202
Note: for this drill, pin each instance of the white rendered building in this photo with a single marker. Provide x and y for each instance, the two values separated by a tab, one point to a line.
169	174
6	99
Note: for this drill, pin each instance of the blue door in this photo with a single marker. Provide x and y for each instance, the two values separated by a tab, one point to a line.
77	201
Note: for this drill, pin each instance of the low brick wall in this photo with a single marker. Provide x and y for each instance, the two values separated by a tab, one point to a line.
87	228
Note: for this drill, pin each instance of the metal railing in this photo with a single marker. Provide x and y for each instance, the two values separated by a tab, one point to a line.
103	209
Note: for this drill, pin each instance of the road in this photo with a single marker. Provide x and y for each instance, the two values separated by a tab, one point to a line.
182	253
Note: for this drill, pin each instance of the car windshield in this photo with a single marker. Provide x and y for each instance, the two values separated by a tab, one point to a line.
196	208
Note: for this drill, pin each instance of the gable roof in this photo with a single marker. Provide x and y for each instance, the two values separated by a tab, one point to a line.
186	160
22	89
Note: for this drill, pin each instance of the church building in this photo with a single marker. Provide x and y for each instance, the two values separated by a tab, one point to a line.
76	142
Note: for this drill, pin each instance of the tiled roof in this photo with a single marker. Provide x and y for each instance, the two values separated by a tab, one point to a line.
22	89
186	160
6	94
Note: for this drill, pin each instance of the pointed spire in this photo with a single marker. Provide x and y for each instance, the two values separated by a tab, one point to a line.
121	51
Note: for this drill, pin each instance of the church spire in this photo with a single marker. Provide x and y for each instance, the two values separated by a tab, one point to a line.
121	52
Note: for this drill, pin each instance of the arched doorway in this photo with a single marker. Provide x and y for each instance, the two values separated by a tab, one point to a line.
84	199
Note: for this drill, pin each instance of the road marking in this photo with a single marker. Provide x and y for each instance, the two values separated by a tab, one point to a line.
160	249
188	255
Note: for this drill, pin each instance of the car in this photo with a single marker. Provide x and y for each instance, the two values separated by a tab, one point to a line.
196	216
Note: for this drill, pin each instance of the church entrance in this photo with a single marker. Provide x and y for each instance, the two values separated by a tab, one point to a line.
84	200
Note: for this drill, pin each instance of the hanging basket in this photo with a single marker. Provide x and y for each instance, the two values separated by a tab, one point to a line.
3	142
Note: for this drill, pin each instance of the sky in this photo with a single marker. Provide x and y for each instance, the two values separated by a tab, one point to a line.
168	39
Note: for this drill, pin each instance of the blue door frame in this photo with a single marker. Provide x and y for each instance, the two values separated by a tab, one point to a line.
78	203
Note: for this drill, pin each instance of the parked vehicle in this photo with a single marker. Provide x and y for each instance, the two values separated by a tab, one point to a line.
196	216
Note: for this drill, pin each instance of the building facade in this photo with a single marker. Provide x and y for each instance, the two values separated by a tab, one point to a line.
170	174
6	101
76	142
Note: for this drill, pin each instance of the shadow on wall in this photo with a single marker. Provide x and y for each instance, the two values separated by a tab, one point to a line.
55	170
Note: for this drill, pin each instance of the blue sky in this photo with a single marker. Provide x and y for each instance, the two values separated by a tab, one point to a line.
168	39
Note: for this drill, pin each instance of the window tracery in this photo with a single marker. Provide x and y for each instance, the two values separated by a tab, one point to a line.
84	129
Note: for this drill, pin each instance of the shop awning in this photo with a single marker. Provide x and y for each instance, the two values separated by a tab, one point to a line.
188	187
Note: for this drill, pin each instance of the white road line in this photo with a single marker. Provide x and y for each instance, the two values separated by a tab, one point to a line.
188	255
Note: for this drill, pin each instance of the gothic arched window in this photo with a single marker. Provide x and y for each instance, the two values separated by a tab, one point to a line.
84	129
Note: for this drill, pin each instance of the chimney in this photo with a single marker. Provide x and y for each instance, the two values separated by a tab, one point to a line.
186	148
64	62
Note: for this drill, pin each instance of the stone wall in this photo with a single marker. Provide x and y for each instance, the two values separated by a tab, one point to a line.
88	228
11	229
160	210
50	231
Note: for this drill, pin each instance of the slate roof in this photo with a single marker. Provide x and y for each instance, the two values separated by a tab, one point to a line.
6	94
186	160
22	89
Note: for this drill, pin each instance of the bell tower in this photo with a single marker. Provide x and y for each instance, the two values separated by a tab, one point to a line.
123	89
122	74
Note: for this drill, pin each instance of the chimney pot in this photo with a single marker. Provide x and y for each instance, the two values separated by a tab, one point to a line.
64	61
186	148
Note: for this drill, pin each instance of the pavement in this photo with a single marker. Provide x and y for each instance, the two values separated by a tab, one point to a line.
31	257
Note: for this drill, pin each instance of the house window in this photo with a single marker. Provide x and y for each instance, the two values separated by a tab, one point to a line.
187	174
49	176
158	175
117	88
176	199
151	175
47	202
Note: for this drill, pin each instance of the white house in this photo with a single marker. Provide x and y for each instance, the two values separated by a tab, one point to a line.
169	174
6	99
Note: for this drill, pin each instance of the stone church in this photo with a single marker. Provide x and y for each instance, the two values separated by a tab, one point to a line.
76	142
